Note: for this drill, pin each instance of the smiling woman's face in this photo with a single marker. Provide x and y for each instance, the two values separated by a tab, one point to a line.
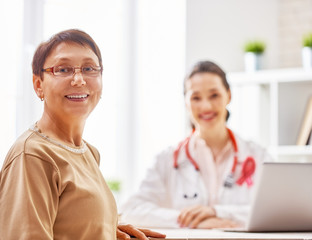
73	97
206	100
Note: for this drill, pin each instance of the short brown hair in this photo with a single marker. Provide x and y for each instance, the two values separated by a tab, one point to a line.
71	35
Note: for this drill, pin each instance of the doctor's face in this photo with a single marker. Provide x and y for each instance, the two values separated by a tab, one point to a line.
206	100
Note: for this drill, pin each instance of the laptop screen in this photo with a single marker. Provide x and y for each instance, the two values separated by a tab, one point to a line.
282	199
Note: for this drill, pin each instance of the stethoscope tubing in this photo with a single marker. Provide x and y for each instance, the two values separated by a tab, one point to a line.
186	142
247	170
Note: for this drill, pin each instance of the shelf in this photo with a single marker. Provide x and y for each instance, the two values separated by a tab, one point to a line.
269	107
291	153
292	150
270	76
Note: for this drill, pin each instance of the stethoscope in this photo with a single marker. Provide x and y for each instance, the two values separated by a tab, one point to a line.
248	167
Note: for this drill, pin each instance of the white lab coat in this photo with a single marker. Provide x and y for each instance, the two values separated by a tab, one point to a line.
161	195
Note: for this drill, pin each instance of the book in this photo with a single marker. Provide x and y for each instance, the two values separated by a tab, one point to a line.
310	139
306	126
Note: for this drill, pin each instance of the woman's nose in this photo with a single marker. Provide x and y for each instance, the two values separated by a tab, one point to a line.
78	79
207	104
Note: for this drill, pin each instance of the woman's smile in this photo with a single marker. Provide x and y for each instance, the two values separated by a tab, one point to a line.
207	116
77	97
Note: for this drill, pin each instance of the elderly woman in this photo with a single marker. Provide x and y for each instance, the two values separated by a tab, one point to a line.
50	184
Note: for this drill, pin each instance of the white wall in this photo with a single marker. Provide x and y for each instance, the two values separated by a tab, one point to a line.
217	30
28	105
11	16
158	87
295	21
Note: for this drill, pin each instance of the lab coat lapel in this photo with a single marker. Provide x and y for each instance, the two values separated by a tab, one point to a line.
204	158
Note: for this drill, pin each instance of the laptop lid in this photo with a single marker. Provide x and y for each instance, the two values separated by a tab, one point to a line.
282	199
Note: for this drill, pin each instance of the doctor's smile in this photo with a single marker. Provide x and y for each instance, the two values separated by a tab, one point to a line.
207	116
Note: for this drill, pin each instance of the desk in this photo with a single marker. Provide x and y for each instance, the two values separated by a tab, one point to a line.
196	234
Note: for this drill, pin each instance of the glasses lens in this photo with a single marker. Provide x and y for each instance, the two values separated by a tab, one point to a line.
68	71
63	71
91	71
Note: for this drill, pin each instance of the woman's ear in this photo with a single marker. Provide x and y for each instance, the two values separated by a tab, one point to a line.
187	105
37	84
230	96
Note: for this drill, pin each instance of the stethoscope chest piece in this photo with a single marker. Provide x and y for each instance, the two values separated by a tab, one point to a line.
190	188
229	181
190	197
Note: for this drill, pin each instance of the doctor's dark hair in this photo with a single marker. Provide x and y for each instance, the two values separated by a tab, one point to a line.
208	67
68	36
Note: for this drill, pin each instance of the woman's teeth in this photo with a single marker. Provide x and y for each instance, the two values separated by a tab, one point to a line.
77	96
207	116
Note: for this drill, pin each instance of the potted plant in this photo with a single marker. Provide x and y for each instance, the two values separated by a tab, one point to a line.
253	54
115	186
307	51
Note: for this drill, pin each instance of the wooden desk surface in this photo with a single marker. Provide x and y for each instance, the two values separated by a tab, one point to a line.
196	234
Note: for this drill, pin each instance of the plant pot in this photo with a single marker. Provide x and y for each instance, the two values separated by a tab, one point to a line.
307	58
252	61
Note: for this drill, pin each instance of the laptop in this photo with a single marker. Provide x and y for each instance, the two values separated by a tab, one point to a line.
282	199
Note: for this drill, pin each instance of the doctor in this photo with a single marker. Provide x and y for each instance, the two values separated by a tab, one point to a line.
206	180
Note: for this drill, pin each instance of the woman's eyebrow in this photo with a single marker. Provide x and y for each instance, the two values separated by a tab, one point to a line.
213	90
195	92
88	59
65	59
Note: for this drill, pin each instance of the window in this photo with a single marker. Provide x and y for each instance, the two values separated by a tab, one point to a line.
11	17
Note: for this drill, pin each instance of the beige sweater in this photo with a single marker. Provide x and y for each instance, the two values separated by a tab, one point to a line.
48	192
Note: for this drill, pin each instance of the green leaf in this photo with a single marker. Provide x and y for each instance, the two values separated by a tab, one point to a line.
307	40
256	46
114	185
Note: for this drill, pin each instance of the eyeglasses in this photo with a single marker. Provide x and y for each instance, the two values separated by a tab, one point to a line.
68	71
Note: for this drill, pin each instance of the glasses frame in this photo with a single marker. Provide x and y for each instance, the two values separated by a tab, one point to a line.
51	70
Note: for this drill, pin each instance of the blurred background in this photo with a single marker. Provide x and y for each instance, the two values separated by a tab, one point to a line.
147	48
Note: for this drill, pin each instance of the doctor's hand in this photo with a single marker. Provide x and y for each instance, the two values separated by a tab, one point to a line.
216	222
126	231
192	216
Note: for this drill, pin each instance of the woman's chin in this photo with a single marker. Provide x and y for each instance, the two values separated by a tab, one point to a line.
208	122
